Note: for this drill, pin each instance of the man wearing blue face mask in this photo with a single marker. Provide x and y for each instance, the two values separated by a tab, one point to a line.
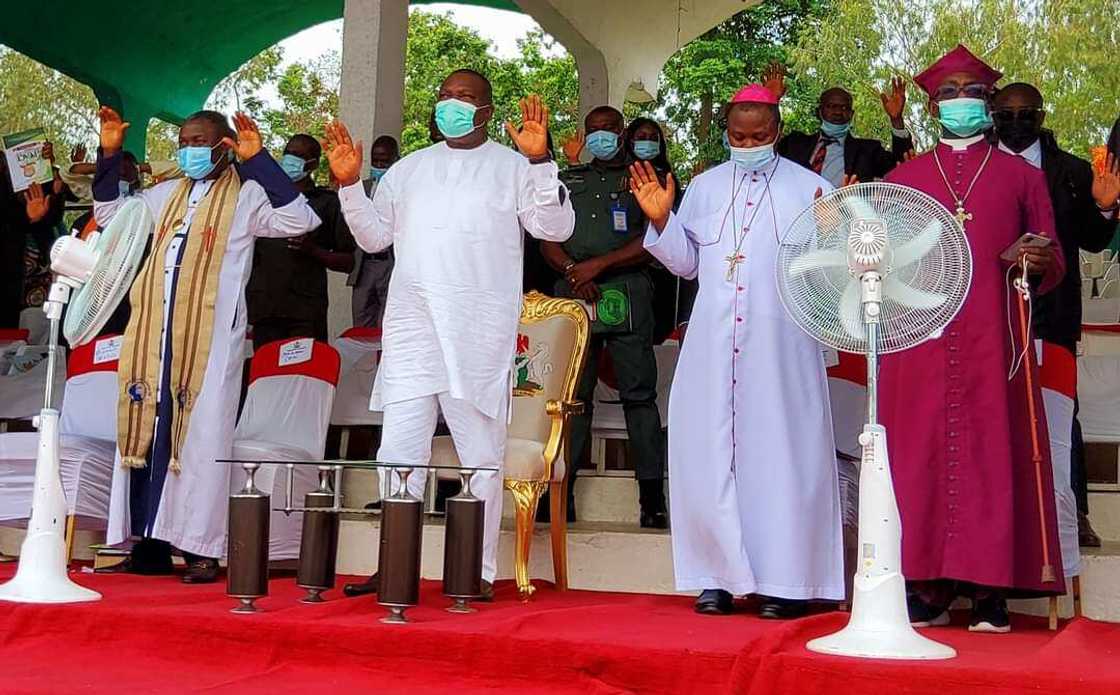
978	509
834	153
183	348
605	257
287	291
372	271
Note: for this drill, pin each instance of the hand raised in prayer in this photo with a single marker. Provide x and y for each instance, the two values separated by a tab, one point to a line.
655	198
848	180
48	151
895	102
37	204
343	155
1106	184
573	146
774	79
248	142
909	155
78	154
112	130
531	138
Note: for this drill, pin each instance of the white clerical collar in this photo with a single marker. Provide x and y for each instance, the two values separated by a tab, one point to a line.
959	144
1032	154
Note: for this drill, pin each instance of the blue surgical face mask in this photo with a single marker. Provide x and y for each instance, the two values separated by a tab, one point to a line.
195	160
293	166
964	116
646	149
726	142
603	144
455	118
125	188
835	130
375	173
753	158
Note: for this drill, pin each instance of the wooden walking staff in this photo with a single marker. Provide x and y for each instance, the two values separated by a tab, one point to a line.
1023	292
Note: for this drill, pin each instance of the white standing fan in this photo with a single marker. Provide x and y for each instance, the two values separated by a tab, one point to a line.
875	268
101	270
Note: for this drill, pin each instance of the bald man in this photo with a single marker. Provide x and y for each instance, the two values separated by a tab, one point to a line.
834	153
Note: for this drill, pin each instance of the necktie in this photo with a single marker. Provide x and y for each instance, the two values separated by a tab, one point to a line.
817	163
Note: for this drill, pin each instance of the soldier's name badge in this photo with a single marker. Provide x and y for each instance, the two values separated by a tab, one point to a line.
618	218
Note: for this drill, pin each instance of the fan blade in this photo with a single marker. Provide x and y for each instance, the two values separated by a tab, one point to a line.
821	258
851	311
913	250
904	294
859	208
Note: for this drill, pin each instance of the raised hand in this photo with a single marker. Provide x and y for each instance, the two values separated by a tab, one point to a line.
573	146
112	130
848	180
655	198
532	137
774	79
78	154
248	141
37	204
909	155
48	151
343	155
1106	183
895	102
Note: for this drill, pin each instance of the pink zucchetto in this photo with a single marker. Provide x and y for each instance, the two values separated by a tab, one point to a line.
754	93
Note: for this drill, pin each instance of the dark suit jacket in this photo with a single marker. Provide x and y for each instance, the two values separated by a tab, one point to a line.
1080	225
864	157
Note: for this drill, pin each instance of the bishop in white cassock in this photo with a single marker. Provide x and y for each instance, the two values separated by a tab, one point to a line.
453	213
752	469
168	490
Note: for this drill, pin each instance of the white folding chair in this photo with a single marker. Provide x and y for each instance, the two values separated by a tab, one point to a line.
285	418
359	350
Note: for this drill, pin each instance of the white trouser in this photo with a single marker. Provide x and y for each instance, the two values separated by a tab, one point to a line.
480	441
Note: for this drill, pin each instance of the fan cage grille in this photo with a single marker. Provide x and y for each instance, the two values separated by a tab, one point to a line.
812	298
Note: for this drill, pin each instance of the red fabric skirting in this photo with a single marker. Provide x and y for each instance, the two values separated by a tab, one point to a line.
156	635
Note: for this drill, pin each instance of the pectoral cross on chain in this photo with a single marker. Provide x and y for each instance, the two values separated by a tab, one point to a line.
733	262
962	216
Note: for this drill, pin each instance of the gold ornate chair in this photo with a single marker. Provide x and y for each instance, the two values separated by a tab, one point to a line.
552	343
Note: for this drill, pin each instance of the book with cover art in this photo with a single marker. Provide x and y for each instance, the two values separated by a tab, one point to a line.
611	314
24	154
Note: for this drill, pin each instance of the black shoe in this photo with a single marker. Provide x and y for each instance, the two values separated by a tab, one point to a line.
200	570
148	557
714	602
990	615
487	595
1086	536
923	614
369	586
782	608
658	520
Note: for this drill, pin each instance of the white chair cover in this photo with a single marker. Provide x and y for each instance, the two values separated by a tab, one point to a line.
88	440
609	415
847	394
1058	378
359	350
285	418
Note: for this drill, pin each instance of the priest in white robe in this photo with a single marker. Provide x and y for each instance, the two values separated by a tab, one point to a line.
752	471
183	351
453	213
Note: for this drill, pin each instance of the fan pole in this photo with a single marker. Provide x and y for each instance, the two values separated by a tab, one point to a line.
42	574
879	626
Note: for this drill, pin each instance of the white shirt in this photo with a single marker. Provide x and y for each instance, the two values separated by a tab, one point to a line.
454	218
1032	154
833	168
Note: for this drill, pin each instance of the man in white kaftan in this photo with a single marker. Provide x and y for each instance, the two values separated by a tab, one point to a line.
752	470
453	213
187	508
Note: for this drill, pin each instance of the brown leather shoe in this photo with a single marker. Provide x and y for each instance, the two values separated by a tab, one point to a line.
366	588
1086	536
201	570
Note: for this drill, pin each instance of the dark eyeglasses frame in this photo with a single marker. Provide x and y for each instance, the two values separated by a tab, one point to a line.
1025	115
976	90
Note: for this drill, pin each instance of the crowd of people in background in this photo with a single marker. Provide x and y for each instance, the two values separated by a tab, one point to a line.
636	234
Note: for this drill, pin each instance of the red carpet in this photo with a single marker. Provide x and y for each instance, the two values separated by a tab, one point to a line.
155	635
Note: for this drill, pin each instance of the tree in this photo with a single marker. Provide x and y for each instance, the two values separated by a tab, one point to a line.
1065	48
33	95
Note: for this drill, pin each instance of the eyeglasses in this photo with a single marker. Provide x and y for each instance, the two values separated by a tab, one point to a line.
969	91
1009	116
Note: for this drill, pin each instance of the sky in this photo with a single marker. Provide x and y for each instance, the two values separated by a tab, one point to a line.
502	28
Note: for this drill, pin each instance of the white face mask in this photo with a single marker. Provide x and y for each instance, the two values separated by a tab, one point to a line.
753	158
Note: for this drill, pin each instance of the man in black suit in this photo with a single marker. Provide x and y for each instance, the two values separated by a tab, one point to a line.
837	155
1085	205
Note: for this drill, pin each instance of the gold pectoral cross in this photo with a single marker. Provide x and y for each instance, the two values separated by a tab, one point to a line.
733	262
962	216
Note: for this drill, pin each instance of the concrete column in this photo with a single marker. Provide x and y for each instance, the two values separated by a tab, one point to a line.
374	33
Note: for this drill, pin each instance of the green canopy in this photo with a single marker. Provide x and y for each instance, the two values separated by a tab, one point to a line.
160	59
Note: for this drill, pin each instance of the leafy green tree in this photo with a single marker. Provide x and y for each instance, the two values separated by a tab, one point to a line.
33	95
